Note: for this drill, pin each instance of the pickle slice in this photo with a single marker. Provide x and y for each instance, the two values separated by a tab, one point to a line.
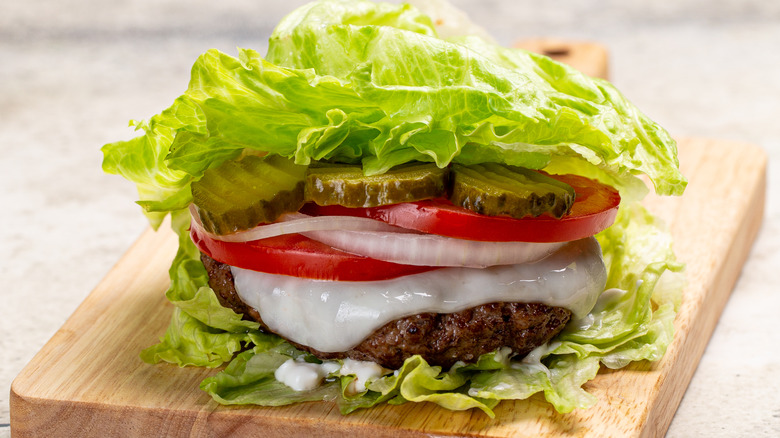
240	194
346	185
495	189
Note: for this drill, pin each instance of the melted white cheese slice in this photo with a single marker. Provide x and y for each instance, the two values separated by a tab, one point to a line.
333	316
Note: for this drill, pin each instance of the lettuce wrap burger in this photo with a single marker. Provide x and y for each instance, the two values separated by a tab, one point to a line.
372	213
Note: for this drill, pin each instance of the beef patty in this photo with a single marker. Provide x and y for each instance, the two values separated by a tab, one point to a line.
440	338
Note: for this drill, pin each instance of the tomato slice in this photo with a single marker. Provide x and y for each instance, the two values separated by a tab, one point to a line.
299	256
594	210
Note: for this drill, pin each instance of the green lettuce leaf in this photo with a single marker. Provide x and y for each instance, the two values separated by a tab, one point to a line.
201	332
355	81
632	319
462	98
249	379
360	82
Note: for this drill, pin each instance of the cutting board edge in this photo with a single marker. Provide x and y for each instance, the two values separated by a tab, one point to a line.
100	420
742	244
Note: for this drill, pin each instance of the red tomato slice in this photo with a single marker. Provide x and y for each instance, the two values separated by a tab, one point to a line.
594	210
299	256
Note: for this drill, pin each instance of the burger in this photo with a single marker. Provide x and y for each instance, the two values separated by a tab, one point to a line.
375	213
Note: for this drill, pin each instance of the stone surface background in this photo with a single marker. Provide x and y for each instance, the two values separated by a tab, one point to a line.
73	72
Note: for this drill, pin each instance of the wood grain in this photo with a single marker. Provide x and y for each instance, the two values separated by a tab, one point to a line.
88	381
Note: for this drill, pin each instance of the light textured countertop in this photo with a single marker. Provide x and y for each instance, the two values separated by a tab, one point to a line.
74	72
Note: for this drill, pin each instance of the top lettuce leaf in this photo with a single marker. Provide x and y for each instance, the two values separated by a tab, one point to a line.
357	81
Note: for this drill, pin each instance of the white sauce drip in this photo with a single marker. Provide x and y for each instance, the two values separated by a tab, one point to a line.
304	376
363	371
503	355
333	316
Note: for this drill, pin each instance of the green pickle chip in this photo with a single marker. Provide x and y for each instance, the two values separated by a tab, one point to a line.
346	185
240	194
495	189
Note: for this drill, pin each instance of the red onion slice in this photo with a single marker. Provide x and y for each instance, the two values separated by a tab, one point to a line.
381	241
290	223
433	250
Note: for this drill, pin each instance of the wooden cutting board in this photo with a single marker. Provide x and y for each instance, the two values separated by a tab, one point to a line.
88	381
